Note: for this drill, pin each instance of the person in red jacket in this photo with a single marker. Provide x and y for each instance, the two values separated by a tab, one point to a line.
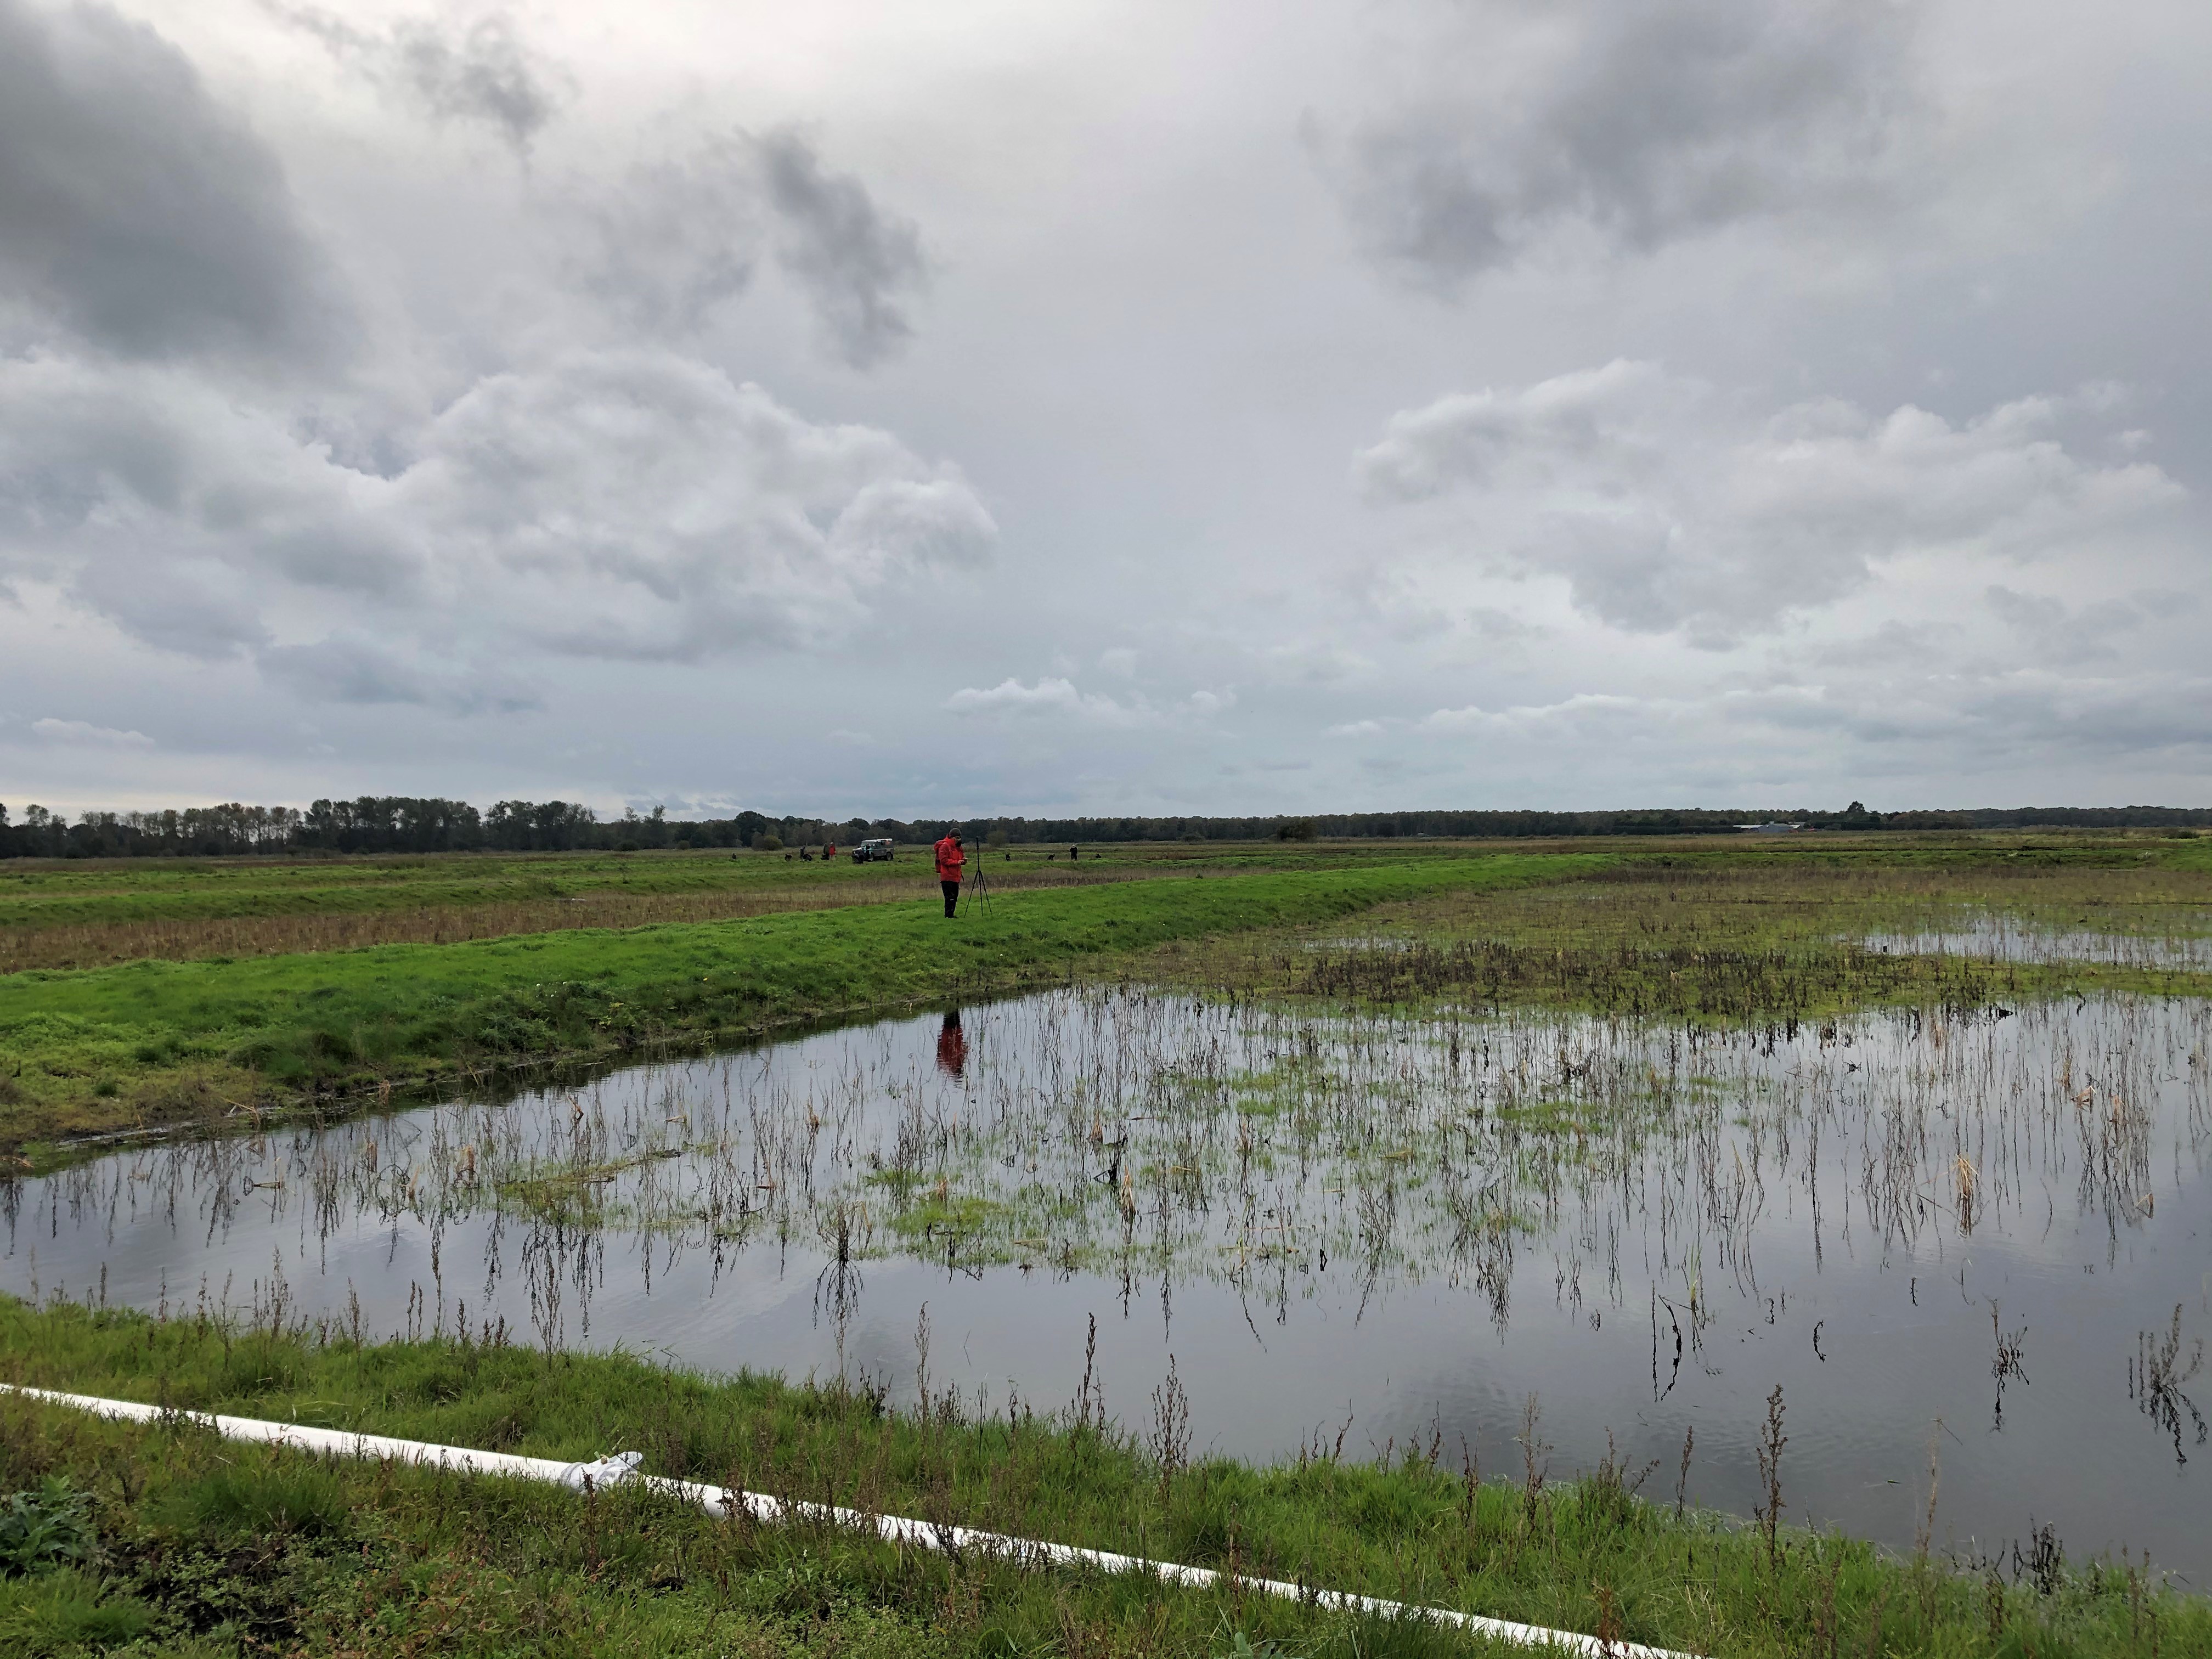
949	858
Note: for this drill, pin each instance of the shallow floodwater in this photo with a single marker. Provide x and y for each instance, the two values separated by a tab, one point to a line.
1987	1238
2002	937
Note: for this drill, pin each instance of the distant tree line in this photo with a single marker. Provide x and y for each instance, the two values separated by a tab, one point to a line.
403	823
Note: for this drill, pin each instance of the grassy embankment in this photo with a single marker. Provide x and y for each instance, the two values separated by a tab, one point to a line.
198	1547
154	1041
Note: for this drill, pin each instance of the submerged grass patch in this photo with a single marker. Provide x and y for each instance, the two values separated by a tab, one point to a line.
238	1549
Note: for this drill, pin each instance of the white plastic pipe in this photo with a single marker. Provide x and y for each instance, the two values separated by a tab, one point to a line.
770	1511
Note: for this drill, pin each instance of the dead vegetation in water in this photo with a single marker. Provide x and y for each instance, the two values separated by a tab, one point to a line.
1145	1135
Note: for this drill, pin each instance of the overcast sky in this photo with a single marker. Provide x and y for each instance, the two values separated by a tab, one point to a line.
1095	409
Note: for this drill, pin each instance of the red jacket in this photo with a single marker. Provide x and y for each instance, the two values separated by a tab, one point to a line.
950	857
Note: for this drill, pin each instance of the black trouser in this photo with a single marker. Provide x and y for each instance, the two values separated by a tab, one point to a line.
951	895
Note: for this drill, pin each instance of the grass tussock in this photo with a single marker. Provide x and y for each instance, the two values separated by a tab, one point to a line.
188	1544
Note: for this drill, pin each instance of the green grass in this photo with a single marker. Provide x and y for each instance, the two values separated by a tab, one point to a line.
230	1546
151	1042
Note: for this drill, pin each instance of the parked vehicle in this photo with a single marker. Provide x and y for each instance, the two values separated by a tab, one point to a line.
873	852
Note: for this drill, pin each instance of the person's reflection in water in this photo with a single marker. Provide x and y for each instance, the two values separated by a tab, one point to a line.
953	1047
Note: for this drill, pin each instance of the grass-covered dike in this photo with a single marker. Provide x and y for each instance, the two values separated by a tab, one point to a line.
154	1041
139	1540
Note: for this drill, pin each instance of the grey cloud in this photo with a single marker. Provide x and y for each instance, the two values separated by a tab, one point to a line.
197	608
1649	122
857	261
134	210
346	669
351	667
1666	508
1892	644
2050	714
678	239
484	73
168	502
1991	719
2061	633
1983	721
1311	663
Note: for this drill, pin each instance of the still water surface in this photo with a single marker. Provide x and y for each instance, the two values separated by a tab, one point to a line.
1989	1237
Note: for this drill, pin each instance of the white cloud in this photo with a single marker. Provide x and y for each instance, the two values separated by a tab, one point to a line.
636	505
1056	698
1579	713
1665	506
1052	698
85	733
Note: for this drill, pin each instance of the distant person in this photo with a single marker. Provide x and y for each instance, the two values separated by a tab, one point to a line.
951	860
1074	852
828	851
953	1047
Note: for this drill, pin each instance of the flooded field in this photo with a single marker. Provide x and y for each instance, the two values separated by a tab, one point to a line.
1974	1251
